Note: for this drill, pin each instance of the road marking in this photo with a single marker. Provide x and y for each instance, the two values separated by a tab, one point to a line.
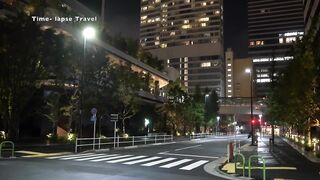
30	152
96	157
142	160
170	165
158	162
189	147
77	157
126	159
188	155
194	165
110	158
56	157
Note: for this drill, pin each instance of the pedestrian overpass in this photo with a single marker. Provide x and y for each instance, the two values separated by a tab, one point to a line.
229	106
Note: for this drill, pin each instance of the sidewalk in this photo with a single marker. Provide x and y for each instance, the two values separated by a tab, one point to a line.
282	162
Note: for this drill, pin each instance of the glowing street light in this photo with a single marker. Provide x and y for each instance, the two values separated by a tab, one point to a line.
146	123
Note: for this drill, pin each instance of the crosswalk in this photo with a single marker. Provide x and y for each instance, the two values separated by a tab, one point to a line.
141	160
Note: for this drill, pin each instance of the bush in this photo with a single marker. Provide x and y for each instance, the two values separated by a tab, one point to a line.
318	154
308	148
69	139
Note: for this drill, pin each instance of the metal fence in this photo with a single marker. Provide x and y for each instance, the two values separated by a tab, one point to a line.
117	142
206	135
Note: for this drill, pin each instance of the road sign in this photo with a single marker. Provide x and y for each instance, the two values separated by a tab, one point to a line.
93	118
94	111
114	117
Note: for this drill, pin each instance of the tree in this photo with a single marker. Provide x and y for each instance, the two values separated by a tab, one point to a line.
211	109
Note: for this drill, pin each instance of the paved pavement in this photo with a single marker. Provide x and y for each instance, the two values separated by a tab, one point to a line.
181	160
283	162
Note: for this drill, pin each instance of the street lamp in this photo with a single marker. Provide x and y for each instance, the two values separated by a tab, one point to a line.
248	71
88	33
217	126
146	123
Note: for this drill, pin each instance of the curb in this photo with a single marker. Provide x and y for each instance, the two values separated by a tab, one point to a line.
213	168
312	159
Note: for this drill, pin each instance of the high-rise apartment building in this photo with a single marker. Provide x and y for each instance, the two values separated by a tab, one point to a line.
186	35
311	10
273	27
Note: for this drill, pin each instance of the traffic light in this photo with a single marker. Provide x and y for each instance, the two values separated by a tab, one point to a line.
253	121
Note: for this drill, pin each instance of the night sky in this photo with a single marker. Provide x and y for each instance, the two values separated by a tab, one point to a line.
123	16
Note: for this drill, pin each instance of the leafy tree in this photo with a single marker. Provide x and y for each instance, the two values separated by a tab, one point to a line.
211	109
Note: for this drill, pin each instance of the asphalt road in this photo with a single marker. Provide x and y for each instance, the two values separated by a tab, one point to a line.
181	160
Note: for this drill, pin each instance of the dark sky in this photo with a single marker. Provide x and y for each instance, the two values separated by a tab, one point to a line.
123	16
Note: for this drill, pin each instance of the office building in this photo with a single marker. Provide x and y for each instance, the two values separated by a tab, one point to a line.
237	80
186	35
273	27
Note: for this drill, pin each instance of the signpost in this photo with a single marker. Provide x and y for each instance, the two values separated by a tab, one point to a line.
94	119
114	118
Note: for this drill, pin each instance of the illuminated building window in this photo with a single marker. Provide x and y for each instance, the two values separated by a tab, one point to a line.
163	45
187	26
144	17
157	38
203	24
229	96
229	75
144	8
263	80
229	80
280	40
204	19
203	4
229	65
171	23
290	39
156	43
229	85
168	61
217	12
206	64
186	21
211	2
229	70
185	71
229	91
259	43
157	1
187	1
252	43
186	78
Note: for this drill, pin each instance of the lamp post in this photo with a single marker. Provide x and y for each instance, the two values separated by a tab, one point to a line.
87	34
248	71
217	126
146	123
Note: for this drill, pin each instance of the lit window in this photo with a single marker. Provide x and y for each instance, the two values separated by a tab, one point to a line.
229	85
206	64
229	80
280	40
172	33
157	38
168	61
203	4
203	24
144	17
204	19
187	26
229	70
187	1
144	8
163	45
229	75
157	1
186	21
185	71
258	43
290	39
229	64
229	91
186	78
217	12
156	43
252	43
229	96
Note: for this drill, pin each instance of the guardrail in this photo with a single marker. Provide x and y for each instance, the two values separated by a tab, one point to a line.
205	135
4	148
236	162
109	142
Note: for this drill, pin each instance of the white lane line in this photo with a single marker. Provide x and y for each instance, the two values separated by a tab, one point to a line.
126	159
158	162
189	147
56	157
188	155
77	157
170	165
100	156
110	158
194	165
142	160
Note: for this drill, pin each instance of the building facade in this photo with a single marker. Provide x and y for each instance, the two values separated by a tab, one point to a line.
188	36
311	10
237	80
273	27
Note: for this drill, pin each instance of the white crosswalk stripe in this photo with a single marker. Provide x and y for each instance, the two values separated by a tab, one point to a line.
142	160
110	158
158	162
96	157
176	163
126	159
194	165
73	155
